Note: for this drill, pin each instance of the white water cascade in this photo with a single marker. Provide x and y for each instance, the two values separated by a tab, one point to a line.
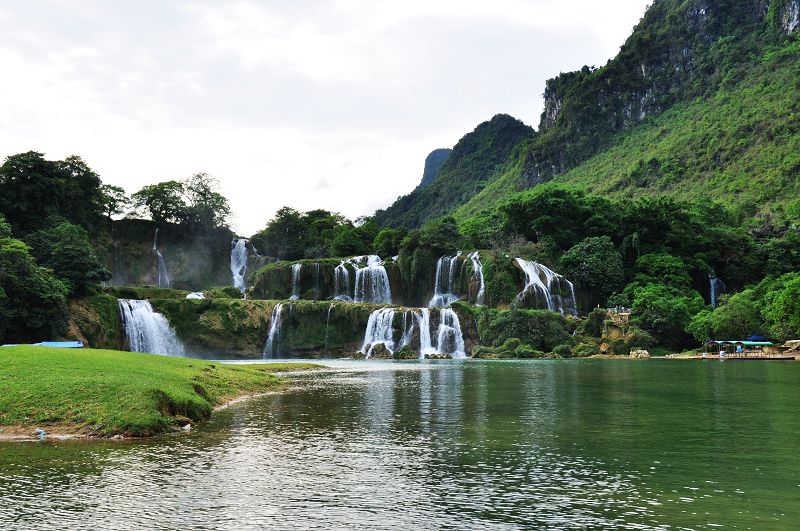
548	287
341	283
372	282
446	270
147	330
296	268
239	263
379	331
448	338
477	271
715	287
161	266
274	336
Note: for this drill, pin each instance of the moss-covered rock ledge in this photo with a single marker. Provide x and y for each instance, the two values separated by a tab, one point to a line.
106	393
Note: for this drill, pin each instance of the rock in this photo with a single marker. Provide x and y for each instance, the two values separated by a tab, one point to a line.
639	354
604	347
380	352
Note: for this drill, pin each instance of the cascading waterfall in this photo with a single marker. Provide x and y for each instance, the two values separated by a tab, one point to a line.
274	336
449	339
296	268
146	330
372	282
379	331
425	344
409	324
715	287
341	281
161	266
239	263
327	326
477	271
443	294
541	281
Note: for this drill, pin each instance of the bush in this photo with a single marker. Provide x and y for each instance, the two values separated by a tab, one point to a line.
583	350
564	351
527	352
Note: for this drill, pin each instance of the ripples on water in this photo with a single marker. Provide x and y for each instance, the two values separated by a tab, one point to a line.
430	445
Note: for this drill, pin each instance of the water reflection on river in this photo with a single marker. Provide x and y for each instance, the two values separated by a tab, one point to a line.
447	444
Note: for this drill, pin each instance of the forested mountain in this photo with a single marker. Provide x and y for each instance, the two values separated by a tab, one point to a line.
433	163
701	101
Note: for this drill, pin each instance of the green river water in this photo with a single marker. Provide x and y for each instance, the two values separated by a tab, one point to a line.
465	445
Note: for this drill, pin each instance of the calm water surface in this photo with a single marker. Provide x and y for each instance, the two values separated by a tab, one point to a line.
470	445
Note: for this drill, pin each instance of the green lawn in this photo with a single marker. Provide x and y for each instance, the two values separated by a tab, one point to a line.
109	392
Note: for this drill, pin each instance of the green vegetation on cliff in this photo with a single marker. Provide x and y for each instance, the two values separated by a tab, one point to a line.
104	392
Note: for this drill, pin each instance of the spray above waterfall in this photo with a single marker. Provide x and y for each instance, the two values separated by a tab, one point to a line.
549	289
162	275
147	330
239	263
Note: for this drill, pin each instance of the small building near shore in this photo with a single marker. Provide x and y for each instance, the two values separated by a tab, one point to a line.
733	348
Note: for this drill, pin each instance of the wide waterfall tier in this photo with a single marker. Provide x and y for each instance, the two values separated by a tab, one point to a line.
447	269
239	263
162	275
546	289
429	333
372	282
147	330
272	345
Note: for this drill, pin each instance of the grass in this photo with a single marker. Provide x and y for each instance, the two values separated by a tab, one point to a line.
107	392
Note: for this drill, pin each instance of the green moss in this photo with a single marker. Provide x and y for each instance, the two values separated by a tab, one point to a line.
95	320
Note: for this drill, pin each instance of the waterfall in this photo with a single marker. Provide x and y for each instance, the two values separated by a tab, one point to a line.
161	266
327	326
409	321
477	271
543	282
372	282
341	280
146	330
425	343
296	268
443	294
715	288
379	331
239	263
274	337
449	339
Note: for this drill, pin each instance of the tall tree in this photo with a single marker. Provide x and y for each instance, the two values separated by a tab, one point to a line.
162	201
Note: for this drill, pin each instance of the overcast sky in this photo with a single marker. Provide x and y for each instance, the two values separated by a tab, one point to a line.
312	104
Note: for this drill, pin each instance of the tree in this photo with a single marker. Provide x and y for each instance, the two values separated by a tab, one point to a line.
163	201
207	207
595	264
34	190
735	318
658	310
283	235
782	306
113	200
664	269
32	300
66	250
387	242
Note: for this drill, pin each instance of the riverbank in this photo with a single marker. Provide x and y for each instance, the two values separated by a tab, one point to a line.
105	393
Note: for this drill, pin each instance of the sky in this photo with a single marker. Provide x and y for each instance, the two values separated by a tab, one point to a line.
328	104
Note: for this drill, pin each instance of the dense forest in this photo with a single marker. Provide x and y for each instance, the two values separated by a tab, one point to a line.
673	168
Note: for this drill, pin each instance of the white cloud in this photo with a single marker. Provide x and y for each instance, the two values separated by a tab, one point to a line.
325	104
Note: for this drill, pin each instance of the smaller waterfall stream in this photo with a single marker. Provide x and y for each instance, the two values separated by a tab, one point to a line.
146	330
444	288
379	331
296	268
715	288
273	338
162	275
548	286
239	263
341	281
477	270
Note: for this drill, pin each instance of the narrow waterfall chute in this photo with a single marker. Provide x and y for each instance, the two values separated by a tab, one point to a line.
715	288
554	291
162	275
372	282
477	271
272	346
239	263
379	330
444	287
146	330
296	269
341	283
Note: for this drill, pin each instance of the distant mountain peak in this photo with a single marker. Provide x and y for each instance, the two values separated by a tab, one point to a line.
433	162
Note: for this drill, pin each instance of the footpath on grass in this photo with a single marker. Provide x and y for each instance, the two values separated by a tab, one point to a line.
107	393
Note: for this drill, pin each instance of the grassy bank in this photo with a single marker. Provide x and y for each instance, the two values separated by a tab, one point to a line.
107	392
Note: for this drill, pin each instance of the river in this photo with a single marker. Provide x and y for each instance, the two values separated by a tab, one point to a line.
467	445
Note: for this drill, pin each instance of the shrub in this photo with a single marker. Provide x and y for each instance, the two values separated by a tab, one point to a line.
564	351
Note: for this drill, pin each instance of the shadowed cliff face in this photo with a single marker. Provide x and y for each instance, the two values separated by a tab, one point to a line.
194	260
433	163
